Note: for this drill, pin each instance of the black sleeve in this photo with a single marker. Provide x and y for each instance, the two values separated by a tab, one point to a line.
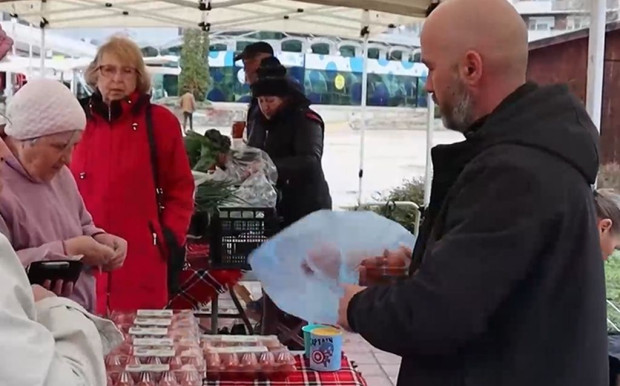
308	149
495	228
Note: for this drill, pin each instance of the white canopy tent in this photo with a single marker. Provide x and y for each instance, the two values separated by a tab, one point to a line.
344	18
325	17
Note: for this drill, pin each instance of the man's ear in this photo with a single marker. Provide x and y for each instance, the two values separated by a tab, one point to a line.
472	67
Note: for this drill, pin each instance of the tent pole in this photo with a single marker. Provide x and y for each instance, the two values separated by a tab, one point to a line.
42	52
10	85
365	34
73	81
29	54
430	128
13	24
596	60
43	25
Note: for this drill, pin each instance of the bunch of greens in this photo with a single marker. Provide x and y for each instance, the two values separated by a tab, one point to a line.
204	151
212	194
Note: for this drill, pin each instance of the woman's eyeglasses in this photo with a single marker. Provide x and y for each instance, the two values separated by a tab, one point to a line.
108	71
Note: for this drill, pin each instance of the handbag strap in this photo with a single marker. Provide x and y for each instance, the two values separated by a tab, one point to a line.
150	133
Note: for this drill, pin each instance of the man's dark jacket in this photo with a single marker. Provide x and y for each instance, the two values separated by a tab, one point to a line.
508	288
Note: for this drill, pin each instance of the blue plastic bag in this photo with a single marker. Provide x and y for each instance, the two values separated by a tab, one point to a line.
302	267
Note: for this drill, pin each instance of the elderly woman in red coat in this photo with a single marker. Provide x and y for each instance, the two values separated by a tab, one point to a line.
112	166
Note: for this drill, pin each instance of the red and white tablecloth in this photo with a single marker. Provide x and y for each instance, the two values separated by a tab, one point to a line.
198	283
304	376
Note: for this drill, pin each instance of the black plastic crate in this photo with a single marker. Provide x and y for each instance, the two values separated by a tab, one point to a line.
236	232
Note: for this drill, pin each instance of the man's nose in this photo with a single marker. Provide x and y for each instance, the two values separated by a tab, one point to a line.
429	86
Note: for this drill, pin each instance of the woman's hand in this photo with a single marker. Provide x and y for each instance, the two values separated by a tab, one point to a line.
93	252
39	293
60	288
6	43
119	246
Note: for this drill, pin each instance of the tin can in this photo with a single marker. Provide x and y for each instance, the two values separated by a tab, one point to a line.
325	349
307	330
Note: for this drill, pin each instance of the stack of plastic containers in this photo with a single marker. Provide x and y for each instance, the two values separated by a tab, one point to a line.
244	358
161	348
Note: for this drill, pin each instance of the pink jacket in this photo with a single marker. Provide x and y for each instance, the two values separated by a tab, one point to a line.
37	216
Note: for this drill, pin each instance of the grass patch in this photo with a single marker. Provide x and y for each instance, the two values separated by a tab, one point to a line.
612	277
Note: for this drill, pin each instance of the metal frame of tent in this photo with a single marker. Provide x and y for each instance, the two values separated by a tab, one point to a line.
347	18
360	19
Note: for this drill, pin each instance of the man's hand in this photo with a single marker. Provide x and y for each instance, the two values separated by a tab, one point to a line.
325	259
350	290
119	246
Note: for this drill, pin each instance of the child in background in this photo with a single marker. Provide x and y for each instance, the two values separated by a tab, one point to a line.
608	220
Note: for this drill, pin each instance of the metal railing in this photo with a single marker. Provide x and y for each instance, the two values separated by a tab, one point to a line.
611	305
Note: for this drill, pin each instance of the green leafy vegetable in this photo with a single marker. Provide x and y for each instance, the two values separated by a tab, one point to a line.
212	194
204	151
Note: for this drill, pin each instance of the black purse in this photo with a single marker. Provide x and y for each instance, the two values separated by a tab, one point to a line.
176	257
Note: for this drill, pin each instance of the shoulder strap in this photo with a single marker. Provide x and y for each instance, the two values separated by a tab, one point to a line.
150	133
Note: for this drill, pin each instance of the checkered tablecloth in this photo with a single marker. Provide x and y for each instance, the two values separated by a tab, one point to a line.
347	376
199	284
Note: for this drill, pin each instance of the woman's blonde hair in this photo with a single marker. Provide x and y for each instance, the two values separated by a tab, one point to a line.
128	53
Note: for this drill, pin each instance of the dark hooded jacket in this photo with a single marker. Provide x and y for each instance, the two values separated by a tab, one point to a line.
293	138
252	119
507	285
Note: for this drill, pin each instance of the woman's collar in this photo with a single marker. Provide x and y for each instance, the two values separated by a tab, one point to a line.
11	161
130	104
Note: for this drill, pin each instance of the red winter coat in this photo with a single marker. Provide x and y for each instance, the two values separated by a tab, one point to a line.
112	167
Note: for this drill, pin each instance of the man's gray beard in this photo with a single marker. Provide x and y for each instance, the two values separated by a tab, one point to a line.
460	117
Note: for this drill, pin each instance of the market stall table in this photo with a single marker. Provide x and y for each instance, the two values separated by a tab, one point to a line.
304	376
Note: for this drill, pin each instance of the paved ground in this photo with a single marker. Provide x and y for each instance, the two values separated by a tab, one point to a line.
390	156
378	368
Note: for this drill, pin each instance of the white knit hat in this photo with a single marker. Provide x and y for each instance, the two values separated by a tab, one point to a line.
43	107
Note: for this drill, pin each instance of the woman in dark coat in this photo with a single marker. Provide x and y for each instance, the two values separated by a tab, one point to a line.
292	134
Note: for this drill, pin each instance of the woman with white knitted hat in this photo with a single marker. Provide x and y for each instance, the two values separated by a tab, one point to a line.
41	210
46	340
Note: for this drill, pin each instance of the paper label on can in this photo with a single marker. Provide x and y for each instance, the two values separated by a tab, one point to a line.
154	331
153	352
143	368
239	349
155	313
141	321
156	342
325	350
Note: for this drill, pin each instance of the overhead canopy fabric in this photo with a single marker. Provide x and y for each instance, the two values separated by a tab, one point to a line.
319	17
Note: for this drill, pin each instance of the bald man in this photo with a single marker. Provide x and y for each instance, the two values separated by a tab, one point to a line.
506	284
